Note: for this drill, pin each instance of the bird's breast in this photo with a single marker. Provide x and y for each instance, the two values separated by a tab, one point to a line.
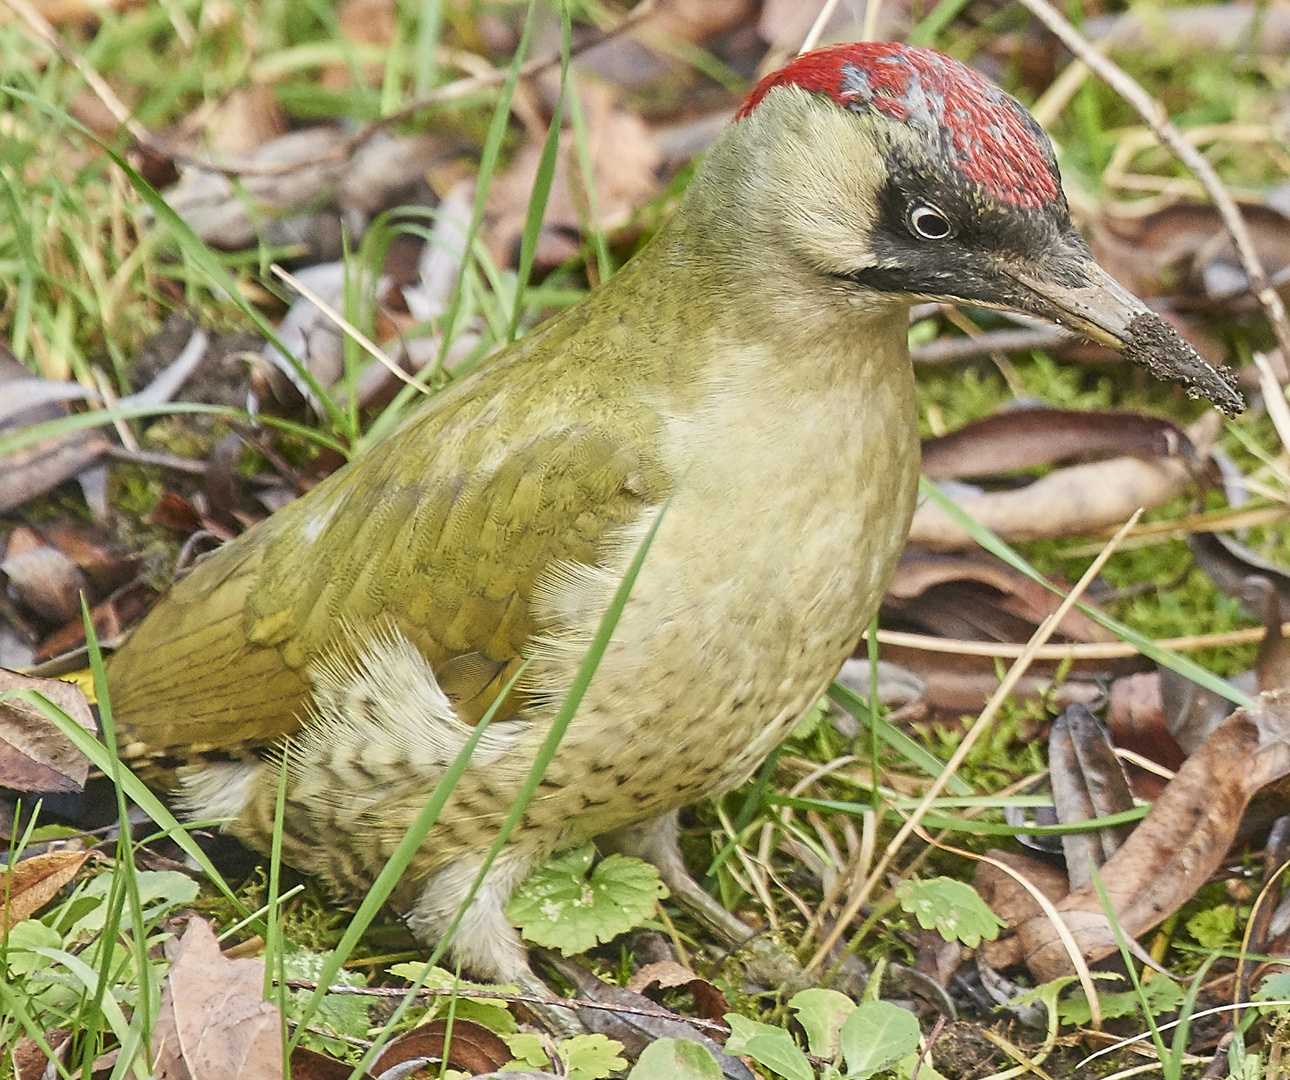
790	509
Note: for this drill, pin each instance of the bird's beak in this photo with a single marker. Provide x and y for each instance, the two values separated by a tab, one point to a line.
1094	304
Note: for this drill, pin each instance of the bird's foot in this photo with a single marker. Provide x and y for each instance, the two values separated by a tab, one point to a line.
765	961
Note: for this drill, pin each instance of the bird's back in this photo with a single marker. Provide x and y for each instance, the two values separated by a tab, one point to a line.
441	532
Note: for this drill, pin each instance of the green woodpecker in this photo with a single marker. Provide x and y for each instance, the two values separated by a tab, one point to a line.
751	364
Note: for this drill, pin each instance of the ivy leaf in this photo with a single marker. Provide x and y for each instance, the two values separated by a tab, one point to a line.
492	1013
562	908
342	1013
528	1050
952	908
590	1057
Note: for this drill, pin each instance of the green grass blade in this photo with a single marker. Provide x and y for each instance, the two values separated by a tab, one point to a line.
1177	663
894	737
541	192
194	249
102	759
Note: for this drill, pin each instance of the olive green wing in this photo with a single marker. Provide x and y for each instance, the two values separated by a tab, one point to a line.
441	530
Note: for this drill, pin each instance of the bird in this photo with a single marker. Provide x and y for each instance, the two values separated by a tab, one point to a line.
740	392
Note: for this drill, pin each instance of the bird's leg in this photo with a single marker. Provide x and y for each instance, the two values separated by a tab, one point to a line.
485	942
765	960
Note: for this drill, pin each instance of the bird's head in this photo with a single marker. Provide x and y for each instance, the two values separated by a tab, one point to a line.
895	172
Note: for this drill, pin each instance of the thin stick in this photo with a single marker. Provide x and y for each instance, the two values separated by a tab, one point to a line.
1106	650
870	29
1274	397
817	28
348	327
1010	680
506	995
1049	909
1153	112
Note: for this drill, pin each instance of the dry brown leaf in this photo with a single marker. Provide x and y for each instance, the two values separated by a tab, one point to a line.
34	754
1193	712
1272	665
1178	845
27	401
247	117
1023	438
308	1064
667	973
1187	243
30	1061
1231	566
122	609
958	683
473	1048
1088	782
976	597
711	1002
214	1023
47	582
1069	502
1079	499
624	161
362	22
1136	717
635	1031
1010	900
29	884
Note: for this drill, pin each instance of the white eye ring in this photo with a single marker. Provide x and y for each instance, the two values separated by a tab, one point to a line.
927	221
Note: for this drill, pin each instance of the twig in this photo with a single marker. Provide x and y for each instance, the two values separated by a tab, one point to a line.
1153	112
1079	650
1274	398
948	349
506	995
349	328
817	28
42	28
1041	635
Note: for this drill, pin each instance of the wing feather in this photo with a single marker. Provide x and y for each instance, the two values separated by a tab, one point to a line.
444	530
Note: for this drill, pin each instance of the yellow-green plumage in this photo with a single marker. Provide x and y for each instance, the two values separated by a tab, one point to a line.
739	365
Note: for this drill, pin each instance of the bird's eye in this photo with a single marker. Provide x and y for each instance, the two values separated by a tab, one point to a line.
929	223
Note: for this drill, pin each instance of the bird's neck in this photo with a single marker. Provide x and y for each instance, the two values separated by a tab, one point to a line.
726	280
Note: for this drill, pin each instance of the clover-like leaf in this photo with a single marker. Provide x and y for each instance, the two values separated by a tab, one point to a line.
953	909
563	908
